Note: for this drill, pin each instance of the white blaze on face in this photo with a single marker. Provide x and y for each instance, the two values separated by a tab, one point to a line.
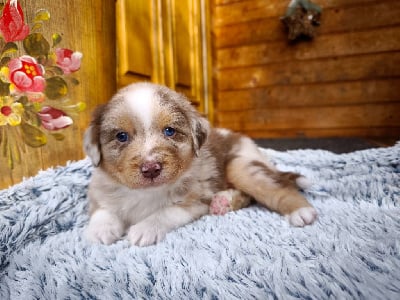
142	104
141	101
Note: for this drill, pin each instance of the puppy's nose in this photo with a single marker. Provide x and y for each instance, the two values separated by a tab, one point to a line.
151	169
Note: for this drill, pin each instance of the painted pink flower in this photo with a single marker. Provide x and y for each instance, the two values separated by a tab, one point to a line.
26	74
12	24
54	119
68	60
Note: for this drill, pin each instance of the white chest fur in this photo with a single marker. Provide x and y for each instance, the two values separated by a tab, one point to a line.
130	205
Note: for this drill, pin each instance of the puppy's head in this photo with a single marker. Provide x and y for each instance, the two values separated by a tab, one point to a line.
145	136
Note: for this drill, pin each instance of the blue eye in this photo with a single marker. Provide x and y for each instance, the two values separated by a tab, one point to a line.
122	136
169	131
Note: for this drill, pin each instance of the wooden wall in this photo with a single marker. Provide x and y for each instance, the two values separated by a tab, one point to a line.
346	82
89	27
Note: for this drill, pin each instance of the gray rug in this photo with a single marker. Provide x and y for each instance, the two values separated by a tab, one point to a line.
352	252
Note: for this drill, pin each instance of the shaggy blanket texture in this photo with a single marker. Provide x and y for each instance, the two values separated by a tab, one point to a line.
351	252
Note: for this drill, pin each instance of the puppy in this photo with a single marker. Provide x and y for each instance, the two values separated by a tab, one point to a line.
158	166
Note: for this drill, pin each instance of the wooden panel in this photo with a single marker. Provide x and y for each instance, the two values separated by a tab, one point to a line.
262	30
88	27
370	132
182	39
323	94
135	43
343	44
383	13
344	82
367	115
245	11
372	66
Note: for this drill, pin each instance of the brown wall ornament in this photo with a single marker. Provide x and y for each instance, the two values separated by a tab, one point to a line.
301	19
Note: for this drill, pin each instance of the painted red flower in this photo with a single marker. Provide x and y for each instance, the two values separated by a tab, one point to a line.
68	60
12	24
26	74
54	119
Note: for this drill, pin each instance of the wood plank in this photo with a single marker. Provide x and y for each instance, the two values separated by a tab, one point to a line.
373	14
245	11
324	94
342	44
224	2
352	116
340	19
368	132
362	67
261	30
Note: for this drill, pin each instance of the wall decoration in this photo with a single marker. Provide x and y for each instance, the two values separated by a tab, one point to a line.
35	81
301	19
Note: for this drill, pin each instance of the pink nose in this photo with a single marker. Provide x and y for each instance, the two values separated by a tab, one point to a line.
151	169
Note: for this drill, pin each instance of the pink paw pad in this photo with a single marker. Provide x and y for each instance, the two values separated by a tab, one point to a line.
220	205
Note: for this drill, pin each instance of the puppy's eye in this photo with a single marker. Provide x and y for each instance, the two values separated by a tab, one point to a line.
122	136
169	131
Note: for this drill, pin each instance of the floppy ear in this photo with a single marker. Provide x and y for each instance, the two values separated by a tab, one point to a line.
200	131
91	139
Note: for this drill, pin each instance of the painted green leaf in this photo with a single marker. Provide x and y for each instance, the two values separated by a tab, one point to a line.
15	152
74	81
31	117
54	70
77	108
56	37
58	136
4	88
35	45
23	100
5	60
33	136
56	87
9	48
41	15
37	26
80	106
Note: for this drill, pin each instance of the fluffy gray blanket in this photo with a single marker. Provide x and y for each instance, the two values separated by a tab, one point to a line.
352	251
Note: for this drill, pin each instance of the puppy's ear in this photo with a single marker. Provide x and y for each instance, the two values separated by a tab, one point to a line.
91	139
200	130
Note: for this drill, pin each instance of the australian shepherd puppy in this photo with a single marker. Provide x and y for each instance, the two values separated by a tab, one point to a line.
159	165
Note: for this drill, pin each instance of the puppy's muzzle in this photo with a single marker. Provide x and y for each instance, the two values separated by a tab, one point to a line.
151	169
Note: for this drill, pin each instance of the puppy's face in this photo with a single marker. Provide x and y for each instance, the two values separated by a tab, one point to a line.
146	136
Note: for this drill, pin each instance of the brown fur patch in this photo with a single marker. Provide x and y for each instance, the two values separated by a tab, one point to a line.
220	146
284	179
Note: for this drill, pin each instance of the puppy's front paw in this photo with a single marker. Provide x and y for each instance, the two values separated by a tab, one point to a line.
145	234
221	203
302	217
104	228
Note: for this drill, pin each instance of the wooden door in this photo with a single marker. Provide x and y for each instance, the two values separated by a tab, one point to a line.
85	26
165	42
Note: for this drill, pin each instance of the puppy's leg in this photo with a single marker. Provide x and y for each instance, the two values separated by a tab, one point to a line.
104	227
249	172
228	200
154	228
